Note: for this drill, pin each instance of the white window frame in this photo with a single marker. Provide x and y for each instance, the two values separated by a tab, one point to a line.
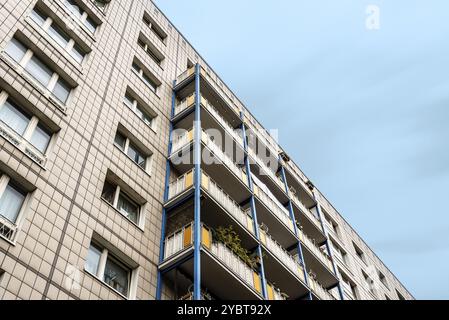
133	108
132	275
141	208
82	20
148	159
17	225
70	47
24	143
140	74
21	68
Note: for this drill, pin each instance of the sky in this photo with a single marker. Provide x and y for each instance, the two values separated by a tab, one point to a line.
362	111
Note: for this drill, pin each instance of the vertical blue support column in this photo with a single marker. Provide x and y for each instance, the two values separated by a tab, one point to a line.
328	247
197	199
292	216
164	211
253	211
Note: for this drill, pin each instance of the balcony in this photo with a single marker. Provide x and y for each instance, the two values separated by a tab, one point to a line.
309	221
215	162
211	118
317	261
22	144
212	91
319	291
267	176
223	273
282	267
274	215
217	207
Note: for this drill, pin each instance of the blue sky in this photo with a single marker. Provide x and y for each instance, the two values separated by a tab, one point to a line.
364	113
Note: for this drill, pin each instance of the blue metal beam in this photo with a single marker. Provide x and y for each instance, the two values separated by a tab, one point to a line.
253	211
164	212
328	247
197	182
292	217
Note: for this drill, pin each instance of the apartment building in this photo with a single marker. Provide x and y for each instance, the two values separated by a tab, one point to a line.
129	170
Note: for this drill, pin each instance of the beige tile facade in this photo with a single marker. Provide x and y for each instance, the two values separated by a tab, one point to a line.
65	207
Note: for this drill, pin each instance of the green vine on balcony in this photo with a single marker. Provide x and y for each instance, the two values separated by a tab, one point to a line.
232	240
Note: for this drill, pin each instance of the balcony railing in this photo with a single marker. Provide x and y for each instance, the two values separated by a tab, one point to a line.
232	207
190	101
185	74
222	92
306	211
274	206
319	290
310	244
180	185
284	257
7	229
224	157
182	140
266	170
22	144
274	293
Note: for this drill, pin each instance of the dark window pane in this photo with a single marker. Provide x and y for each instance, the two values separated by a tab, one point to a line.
62	90
128	208
12	116
117	276
108	193
40	139
39	71
38	16
93	259
11	202
120	140
16	50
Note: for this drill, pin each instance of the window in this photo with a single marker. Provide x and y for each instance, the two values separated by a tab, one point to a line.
49	79
400	296
382	278
13	199
81	15
369	282
155	28
150	49
101	4
106	267
359	253
349	288
138	109
133	152
339	253
59	35
23	129
149	80
121	201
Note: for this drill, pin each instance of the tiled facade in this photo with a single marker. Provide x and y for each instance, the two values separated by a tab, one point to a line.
44	256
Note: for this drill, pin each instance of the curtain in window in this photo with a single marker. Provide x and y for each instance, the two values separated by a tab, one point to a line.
93	260
14	118
39	71
128	208
16	50
10	203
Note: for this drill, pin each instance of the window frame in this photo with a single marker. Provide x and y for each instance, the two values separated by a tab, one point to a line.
24	139
135	106
54	79
106	256
47	24
125	149
115	199
5	181
83	18
138	70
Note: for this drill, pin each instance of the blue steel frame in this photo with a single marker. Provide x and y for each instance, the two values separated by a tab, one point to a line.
197	199
328	247
253	209
292	217
164	211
